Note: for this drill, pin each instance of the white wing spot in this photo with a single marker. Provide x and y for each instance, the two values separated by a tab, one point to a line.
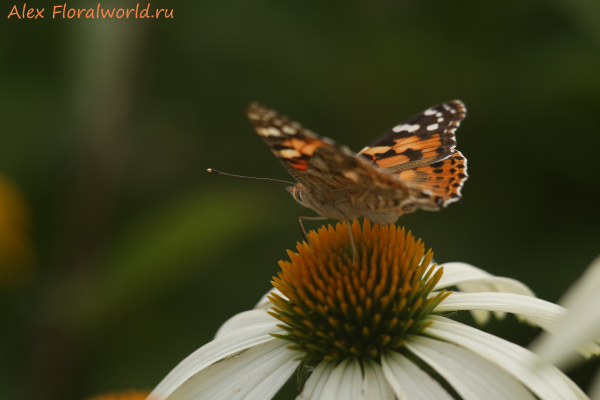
432	127
453	111
289	130
277	122
440	119
406	127
429	112
290	153
438	114
271	132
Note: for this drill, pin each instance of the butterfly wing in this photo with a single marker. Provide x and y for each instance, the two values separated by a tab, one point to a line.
443	180
420	151
423	139
345	185
318	162
292	144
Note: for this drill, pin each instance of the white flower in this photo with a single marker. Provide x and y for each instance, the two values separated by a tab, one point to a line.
373	329
579	329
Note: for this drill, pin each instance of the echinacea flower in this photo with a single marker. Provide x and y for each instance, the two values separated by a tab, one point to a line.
375	326
578	328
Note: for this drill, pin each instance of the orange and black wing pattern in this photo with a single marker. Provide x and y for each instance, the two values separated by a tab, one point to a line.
292	144
317	162
421	152
443	180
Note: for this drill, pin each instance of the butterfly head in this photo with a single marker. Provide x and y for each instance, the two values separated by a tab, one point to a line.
294	191
298	192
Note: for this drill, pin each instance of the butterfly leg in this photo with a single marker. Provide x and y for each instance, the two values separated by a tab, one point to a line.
352	242
302	218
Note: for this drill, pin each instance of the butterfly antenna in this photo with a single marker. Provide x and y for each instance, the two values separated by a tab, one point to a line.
214	171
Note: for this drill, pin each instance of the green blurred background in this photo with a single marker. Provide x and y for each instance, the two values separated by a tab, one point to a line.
121	255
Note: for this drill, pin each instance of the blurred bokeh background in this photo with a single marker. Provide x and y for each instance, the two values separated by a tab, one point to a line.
120	255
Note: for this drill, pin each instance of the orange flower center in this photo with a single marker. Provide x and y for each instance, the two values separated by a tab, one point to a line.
337	308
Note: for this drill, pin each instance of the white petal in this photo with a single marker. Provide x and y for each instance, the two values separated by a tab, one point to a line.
351	384
408	381
375	386
585	288
471	376
546	381
255	374
595	387
457	273
344	383
313	388
581	325
539	312
470	279
214	351
244	319
265	303
481	317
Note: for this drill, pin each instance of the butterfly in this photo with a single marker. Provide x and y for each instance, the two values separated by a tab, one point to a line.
414	165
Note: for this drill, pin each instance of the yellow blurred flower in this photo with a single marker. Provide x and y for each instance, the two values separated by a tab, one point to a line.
129	395
16	249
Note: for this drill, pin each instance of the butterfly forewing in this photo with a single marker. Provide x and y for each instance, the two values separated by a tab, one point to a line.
421	140
292	144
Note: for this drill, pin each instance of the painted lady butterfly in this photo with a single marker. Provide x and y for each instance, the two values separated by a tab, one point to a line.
414	165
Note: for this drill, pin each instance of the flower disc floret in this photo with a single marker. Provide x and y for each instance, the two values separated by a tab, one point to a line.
338	306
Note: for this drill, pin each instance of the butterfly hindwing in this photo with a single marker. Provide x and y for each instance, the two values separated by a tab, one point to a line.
443	180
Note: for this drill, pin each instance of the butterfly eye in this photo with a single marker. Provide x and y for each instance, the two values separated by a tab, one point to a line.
295	193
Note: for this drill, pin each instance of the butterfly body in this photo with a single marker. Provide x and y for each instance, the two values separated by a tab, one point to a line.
412	166
381	202
380	209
